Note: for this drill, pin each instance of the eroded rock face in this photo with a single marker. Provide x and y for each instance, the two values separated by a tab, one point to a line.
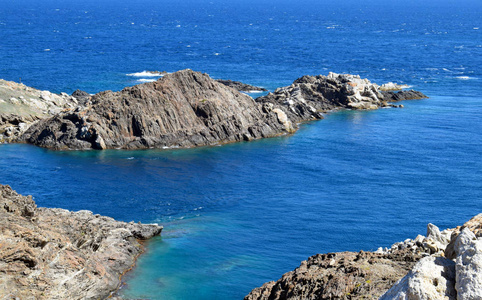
182	109
58	254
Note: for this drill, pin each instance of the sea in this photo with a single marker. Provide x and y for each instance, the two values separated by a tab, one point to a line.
238	215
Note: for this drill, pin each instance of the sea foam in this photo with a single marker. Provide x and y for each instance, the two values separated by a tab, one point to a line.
147	74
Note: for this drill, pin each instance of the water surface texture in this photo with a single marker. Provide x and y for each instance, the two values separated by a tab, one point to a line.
239	215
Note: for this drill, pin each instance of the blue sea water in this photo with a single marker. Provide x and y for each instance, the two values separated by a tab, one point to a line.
239	215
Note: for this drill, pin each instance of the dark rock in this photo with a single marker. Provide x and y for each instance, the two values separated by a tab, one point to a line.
81	96
242	87
393	96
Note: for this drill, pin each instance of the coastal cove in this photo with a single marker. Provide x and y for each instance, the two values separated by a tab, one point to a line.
361	182
236	214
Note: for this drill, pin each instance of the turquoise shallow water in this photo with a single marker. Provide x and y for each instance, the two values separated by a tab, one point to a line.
239	215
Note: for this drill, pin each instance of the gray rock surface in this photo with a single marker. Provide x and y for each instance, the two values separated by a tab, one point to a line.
58	254
182	109
468	268
188	109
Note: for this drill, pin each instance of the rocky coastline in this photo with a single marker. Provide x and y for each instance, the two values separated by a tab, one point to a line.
51	253
442	265
186	109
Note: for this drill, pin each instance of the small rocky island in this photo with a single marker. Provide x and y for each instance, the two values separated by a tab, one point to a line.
186	109
443	265
51	253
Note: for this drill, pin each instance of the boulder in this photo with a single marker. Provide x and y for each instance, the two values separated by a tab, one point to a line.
431	278
468	268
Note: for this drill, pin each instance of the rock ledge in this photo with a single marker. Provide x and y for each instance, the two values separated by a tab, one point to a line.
58	254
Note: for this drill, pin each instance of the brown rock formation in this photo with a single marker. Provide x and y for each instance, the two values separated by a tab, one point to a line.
57	254
343	275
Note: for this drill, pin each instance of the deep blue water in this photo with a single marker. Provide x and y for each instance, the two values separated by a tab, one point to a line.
238	215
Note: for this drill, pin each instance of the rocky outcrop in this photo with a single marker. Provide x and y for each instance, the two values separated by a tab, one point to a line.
454	272
310	96
189	109
242	87
182	109
21	105
345	275
58	254
443	265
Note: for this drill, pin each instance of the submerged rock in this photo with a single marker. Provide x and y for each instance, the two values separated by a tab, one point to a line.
50	253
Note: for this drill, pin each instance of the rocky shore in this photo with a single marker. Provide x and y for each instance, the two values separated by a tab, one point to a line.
189	109
51	253
443	265
20	106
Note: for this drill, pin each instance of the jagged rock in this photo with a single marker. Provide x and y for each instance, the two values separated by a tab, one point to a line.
310	96
182	109
345	275
242	87
468	268
58	254
81	96
474	225
188	109
431	278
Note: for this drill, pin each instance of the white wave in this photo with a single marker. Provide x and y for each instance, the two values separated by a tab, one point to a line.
447	70
132	157
476	28
146	74
465	77
252	92
146	80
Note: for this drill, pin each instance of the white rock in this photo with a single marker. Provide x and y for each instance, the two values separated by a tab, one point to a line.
431	278
283	119
468	268
45	95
